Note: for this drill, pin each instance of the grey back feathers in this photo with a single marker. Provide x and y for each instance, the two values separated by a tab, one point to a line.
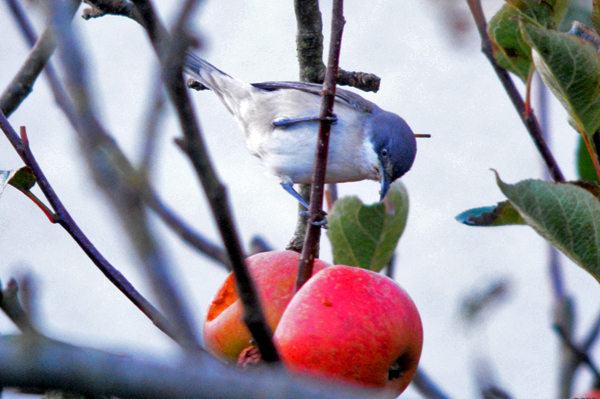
280	122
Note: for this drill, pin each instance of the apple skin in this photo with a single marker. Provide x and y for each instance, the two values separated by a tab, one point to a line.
593	394
351	324
274	274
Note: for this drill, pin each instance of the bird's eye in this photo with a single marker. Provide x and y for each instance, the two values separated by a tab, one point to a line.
384	153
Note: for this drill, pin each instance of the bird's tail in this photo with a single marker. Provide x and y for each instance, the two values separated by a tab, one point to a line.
230	90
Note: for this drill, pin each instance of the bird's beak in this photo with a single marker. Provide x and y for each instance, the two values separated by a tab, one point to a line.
385	185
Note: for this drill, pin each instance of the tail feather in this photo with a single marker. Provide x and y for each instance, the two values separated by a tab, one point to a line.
201	70
230	90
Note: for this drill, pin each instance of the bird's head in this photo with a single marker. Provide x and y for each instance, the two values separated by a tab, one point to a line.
395	146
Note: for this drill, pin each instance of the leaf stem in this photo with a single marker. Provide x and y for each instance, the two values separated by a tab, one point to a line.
592	152
528	118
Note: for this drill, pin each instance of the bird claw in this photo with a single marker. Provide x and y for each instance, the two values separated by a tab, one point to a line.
333	119
319	223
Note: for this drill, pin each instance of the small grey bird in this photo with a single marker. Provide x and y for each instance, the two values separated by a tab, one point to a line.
280	121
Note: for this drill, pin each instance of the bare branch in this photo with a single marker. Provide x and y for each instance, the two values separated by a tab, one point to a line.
49	364
309	46
113	173
10	304
63	217
193	146
316	214
426	387
581	355
187	233
22	84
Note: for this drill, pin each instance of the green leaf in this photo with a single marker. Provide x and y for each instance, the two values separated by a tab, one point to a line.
23	179
510	50
570	67
565	214
547	13
585	166
367	235
503	214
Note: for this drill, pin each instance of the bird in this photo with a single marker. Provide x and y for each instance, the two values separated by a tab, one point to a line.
280	121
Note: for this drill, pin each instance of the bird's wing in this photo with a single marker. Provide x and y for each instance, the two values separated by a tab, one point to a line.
345	96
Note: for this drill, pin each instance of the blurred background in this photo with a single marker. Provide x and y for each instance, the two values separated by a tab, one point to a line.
433	75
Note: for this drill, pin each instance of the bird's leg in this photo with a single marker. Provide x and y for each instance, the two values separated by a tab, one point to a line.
290	189
289	122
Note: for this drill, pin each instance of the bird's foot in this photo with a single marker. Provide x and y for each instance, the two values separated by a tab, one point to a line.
319	221
333	119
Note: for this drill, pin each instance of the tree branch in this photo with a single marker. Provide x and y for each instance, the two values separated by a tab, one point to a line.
528	118
22	84
10	304
112	172
193	146
426	387
48	364
316	214
309	46
581	355
63	217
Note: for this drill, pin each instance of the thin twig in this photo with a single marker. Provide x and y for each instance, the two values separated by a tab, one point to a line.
154	114
187	233
193	146
309	50
63	217
582	356
22	84
592	335
426	387
10	304
40	58
563	307
390	268
528	118
108	167
311	242
258	245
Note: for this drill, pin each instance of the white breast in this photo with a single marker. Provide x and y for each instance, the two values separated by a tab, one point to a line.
288	152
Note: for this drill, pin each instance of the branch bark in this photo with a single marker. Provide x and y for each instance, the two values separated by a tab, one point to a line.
192	144
108	166
316	214
63	217
52	365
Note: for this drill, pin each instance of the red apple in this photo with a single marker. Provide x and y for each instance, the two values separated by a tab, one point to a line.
274	274
352	324
593	394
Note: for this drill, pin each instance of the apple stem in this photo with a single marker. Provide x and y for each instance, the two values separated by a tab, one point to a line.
316	214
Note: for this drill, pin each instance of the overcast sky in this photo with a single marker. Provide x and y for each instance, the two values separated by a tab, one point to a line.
441	89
